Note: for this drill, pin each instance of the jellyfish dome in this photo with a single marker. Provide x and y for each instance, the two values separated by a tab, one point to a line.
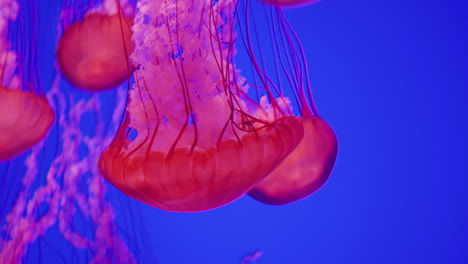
93	53
25	113
305	170
25	120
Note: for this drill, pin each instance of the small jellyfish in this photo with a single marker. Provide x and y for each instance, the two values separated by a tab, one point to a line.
305	170
93	53
25	113
310	164
25	120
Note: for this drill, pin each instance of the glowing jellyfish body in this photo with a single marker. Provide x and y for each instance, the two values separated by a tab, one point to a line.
185	180
198	144
25	120
93	53
305	170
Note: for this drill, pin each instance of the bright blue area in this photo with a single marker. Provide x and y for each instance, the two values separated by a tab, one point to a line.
391	77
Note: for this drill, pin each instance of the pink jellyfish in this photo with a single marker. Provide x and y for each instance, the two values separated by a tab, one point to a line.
93	53
193	139
26	115
309	165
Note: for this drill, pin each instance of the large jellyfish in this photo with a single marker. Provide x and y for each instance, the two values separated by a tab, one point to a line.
193	139
198	144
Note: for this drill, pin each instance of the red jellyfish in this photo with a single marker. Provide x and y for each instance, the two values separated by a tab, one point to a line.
310	164
93	53
305	170
26	116
191	140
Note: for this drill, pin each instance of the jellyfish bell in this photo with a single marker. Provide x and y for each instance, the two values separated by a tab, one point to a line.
185	180
25	120
305	170
309	165
26	115
93	53
191	140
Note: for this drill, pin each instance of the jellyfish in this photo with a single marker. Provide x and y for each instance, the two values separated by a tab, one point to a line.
26	114
305	170
93	53
191	140
310	164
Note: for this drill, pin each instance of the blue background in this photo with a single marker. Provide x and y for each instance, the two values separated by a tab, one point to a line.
391	78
